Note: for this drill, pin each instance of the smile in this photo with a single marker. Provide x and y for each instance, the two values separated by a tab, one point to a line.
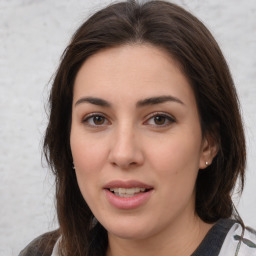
127	195
127	192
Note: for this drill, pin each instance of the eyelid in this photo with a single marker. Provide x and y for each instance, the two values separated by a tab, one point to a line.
170	118
94	114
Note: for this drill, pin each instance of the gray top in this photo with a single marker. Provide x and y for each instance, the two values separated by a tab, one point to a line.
210	246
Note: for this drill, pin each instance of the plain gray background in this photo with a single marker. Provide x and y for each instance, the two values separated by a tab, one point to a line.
33	34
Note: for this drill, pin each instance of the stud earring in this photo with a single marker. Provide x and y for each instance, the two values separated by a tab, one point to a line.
74	166
206	163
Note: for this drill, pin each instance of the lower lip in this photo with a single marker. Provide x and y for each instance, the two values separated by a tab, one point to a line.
128	202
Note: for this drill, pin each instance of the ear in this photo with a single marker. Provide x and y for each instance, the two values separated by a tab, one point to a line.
209	150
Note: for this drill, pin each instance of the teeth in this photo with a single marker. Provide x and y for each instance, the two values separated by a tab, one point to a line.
126	192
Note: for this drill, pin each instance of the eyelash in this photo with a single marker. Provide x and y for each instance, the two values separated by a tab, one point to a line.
168	120
91	116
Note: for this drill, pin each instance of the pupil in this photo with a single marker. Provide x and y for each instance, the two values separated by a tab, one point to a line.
98	120
159	120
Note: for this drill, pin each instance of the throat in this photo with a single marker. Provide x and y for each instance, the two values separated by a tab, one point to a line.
176	243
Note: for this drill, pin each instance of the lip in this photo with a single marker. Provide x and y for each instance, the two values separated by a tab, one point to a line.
127	184
127	203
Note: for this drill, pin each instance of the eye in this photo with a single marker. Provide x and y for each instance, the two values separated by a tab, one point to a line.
95	120
159	119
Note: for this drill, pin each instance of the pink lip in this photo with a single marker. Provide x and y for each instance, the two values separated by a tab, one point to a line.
127	203
127	184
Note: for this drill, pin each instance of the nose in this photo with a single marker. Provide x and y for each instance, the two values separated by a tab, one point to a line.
126	151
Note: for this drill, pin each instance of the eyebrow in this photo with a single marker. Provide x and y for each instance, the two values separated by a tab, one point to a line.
141	103
158	100
94	101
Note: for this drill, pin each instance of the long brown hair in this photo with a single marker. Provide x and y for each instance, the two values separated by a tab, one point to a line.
186	39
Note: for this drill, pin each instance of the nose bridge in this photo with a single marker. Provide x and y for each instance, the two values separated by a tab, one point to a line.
125	149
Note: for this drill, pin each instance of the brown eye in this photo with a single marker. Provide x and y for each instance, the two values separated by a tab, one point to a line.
95	120
98	120
159	120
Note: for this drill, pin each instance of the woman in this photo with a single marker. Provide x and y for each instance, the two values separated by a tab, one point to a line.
145	139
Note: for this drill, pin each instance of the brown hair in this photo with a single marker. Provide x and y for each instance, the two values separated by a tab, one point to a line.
186	39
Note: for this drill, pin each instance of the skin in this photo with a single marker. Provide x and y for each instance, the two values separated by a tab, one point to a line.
158	144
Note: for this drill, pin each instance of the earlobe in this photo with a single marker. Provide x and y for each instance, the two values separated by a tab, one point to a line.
209	151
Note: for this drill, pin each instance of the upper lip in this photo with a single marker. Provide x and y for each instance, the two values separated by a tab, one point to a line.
127	184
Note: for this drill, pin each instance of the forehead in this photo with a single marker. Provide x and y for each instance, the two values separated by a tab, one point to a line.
139	70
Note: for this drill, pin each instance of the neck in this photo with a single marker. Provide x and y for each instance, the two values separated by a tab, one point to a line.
182	238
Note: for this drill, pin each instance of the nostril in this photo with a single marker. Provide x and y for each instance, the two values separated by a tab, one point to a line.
123	164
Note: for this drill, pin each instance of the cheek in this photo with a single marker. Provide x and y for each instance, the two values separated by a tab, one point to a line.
175	155
88	151
89	156
176	169
87	167
176	164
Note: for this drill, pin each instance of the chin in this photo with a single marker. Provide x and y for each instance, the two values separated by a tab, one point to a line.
129	231
129	235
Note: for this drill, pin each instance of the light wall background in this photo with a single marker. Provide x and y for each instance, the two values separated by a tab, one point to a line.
33	34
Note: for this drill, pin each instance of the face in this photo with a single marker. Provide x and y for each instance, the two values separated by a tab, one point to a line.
136	141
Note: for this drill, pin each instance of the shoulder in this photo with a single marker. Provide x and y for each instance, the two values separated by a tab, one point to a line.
42	245
248	241
239	239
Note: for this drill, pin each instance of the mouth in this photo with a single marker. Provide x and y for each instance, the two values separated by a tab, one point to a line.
127	192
